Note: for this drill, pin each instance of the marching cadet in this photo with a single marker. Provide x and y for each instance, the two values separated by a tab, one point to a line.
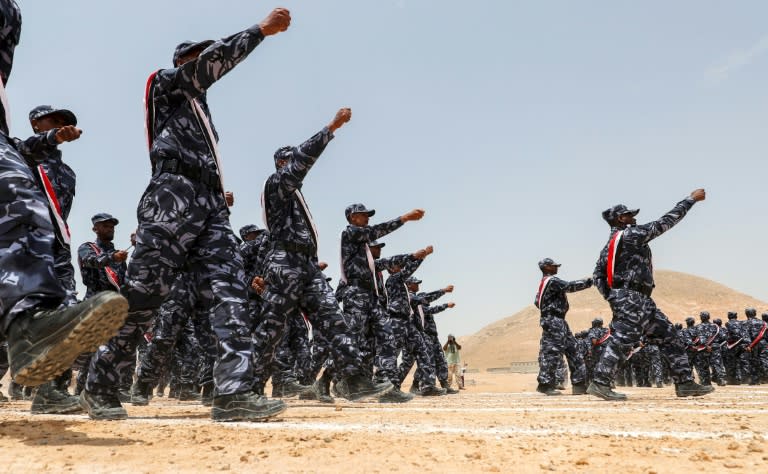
624	276
756	345
184	225
556	337
292	277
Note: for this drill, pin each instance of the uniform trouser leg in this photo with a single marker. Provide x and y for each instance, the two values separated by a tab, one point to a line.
421	351
703	367
183	223
408	359
441	366
294	281
635	314
359	306
558	341
387	346
718	367
285	366
656	366
28	280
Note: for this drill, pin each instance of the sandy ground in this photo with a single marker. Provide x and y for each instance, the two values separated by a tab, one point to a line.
499	424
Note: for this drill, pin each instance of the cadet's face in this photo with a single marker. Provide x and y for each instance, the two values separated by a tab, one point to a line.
48	123
359	219
188	57
413	287
251	236
376	252
281	163
627	219
551	269
105	231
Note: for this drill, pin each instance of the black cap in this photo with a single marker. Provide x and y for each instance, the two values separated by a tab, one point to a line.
610	214
187	46
718	321
43	110
376	243
104	217
704	315
247	229
358	208
733	315
690	321
597	322
750	312
547	261
413	280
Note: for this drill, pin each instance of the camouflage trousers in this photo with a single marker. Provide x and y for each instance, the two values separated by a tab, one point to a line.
709	366
635	315
759	361
28	278
557	341
737	365
438	357
181	321
183	225
295	284
656	366
415	349
293	358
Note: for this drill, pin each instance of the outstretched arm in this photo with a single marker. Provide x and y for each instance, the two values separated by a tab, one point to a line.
643	234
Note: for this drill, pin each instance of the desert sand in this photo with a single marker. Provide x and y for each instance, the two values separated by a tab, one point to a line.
499	424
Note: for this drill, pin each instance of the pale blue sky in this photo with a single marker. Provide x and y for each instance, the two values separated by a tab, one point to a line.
512	123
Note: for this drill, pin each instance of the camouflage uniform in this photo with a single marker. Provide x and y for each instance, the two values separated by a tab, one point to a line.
690	337
707	332
28	279
420	321
360	287
184	220
718	349
757	345
556	337
737	359
292	277
634	312
598	338
431	338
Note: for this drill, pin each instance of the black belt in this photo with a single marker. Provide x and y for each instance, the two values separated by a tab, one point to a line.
294	247
365	284
643	289
194	173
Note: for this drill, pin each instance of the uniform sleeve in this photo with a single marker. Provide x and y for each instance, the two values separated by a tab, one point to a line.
373	232
195	77
578	285
432	296
382	264
36	145
431	310
642	234
10	33
290	176
599	278
410	268
88	258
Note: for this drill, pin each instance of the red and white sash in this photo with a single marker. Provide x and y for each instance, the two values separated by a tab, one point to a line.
604	338
55	208
759	336
149	111
421	314
307	214
112	276
542	288
613	250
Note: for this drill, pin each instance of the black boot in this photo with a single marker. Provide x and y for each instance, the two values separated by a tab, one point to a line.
431	391
49	399
579	388
289	388
547	390
447	387
16	391
141	393
322	387
605	392
357	387
692	389
208	394
245	406
187	393
43	345
396	396
102	407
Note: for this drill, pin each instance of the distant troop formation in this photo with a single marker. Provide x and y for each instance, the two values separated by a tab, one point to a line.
624	277
193	305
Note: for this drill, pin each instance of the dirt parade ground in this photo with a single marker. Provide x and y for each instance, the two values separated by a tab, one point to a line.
499	424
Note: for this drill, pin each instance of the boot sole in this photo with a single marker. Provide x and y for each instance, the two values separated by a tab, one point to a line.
245	414
64	410
85	334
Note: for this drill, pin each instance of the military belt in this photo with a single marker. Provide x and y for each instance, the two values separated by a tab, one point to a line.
634	287
194	173
309	250
359	282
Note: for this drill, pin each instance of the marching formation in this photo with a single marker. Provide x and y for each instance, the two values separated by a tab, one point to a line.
230	313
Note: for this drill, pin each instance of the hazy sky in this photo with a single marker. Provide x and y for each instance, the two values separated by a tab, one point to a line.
514	124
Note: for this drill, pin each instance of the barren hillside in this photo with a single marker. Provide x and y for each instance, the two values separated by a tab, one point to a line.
516	338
